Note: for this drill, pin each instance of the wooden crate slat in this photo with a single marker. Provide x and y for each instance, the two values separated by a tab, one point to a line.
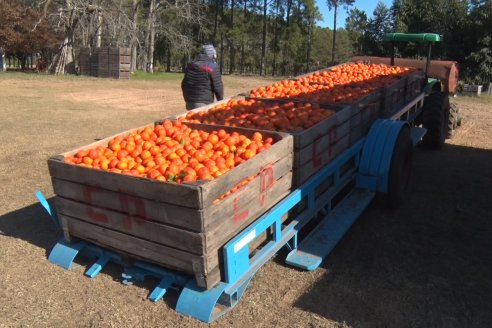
217	187
183	194
132	225
394	96
308	169
311	152
246	211
135	205
143	249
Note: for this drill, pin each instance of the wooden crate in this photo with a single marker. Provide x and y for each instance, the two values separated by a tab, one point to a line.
319	145
394	96
105	62
415	85
177	226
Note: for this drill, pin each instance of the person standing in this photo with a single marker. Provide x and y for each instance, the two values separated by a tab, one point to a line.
202	80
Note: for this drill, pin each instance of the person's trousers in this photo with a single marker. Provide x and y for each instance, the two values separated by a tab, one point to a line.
192	105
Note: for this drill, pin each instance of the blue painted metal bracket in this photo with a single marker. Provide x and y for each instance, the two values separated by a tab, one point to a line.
63	254
47	207
237	262
377	153
321	241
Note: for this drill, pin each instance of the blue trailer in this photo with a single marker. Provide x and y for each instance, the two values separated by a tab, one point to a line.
379	163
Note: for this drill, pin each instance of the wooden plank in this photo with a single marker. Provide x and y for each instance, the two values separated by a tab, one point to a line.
132	225
312	152
306	137
206	107
245	211
415	85
187	195
394	96
209	280
132	204
217	187
159	254
308	169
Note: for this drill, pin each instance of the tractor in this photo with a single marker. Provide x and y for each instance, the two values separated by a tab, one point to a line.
438	116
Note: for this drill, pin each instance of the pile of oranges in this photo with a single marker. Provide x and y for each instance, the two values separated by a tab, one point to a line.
172	151
251	113
331	86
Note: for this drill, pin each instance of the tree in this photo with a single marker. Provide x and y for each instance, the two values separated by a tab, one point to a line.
478	63
334	4
379	24
356	25
22	33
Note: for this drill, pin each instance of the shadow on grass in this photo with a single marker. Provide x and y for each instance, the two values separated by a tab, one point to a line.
427	264
32	224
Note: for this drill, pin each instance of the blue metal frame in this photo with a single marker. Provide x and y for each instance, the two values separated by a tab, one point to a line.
371	158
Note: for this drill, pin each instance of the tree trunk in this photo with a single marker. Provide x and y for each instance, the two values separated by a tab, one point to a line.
99	30
334	35
287	36
149	35
216	18
151	46
309	43
136	4
263	39
221	65
64	60
275	39
245	15
231	42
168	60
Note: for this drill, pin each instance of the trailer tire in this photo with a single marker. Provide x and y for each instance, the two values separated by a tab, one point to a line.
400	170
435	116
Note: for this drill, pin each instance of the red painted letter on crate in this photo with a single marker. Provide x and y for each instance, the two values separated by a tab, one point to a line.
137	210
266	182
238	213
91	212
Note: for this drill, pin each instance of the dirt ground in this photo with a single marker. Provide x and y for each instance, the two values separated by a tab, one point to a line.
427	264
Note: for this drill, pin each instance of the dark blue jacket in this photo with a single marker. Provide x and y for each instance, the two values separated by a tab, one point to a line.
202	81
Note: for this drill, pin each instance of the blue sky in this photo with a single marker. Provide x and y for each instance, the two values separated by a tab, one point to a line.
367	6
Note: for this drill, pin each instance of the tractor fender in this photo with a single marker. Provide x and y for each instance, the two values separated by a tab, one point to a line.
377	154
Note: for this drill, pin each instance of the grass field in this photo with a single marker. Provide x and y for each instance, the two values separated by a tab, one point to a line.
427	264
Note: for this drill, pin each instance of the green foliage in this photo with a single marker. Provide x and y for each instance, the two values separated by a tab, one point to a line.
378	25
293	42
356	26
479	63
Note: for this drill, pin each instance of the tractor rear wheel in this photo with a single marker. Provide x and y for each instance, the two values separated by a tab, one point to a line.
454	120
435	117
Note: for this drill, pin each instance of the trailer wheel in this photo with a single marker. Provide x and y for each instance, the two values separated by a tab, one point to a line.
435	116
400	169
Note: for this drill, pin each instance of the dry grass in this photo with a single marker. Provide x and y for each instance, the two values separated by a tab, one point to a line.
427	264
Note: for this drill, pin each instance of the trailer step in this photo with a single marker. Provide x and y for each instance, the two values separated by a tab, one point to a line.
321	241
